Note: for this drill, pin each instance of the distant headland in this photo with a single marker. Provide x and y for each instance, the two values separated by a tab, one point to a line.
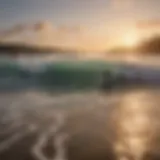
148	46
16	49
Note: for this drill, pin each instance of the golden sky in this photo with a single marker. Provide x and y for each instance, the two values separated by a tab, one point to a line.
81	24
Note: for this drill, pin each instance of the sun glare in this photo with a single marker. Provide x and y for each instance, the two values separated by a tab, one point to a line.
130	40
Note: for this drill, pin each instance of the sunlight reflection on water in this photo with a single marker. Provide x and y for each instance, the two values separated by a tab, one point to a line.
134	126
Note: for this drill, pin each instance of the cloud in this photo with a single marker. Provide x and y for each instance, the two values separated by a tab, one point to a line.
18	29
42	33
23	28
149	24
43	26
121	4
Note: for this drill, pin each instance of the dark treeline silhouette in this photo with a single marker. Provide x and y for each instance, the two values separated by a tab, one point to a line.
148	46
151	45
13	49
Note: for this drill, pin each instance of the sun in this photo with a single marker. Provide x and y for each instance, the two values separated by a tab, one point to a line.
130	40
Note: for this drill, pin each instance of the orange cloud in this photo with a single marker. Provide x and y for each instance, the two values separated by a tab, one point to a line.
149	24
18	29
44	33
43	26
118	4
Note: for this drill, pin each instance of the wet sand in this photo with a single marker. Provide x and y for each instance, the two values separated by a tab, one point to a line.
119	125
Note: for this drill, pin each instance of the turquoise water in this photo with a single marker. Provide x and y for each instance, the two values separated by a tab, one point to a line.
74	75
57	75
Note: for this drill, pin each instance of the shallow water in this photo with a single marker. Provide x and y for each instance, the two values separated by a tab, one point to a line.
36	60
120	125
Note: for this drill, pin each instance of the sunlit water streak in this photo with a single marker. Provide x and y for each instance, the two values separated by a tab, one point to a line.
133	125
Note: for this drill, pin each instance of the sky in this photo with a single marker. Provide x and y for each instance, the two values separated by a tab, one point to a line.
92	24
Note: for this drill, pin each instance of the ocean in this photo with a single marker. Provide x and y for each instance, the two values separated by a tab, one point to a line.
64	110
57	72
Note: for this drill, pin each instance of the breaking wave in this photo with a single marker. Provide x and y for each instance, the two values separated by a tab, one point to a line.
58	75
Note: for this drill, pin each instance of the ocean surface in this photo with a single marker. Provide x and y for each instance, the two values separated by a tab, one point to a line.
74	72
42	118
36	59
